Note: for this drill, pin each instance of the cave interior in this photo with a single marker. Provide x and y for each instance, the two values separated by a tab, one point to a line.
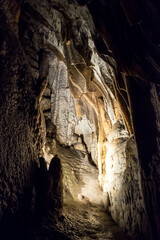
80	119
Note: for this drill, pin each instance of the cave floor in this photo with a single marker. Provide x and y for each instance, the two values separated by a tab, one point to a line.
80	221
88	222
83	222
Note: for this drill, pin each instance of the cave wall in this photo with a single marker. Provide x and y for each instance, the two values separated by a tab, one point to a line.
122	183
88	105
20	128
147	138
130	32
85	107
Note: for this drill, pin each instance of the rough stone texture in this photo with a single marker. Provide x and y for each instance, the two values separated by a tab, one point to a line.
20	137
80	177
131	35
91	104
122	182
55	201
84	108
147	137
84	222
75	78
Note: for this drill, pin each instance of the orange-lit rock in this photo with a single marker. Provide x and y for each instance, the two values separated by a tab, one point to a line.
89	93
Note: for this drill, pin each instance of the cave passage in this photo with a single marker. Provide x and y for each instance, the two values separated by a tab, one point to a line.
84	214
79	78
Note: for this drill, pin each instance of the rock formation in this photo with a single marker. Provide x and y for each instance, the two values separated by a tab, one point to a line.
81	78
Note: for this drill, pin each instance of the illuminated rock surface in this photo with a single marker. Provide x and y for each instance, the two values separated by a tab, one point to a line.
81	79
86	222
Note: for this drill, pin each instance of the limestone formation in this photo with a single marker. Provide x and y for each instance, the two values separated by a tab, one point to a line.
80	78
55	199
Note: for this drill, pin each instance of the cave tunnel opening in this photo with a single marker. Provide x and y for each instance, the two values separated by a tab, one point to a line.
83	122
79	79
85	127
